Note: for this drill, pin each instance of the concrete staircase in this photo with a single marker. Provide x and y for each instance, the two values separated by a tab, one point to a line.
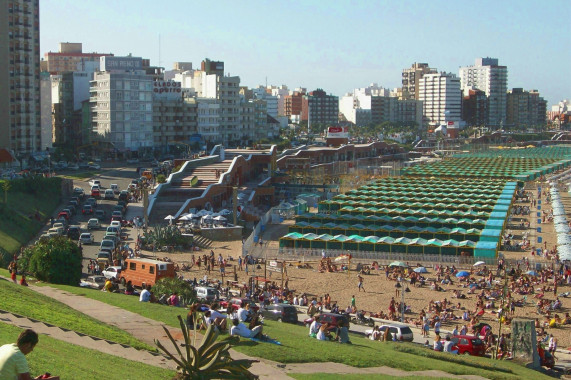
202	242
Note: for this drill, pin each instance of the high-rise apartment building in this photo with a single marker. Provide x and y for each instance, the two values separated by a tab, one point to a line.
441	98
292	104
20	127
392	109
208	120
319	108
487	75
70	57
525	109
411	79
474	107
122	104
210	82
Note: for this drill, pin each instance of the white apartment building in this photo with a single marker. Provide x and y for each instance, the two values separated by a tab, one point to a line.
441	98
271	100
122	103
226	90
208	119
280	92
487	75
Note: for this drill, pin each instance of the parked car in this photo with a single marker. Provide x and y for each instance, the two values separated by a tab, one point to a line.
61	220
117	213
100	214
117	224
91	201
86	238
94	282
73	202
468	345
124	195
331	318
70	210
110	236
109	194
93	224
115	188
94	166
95	193
235	303
281	313
112	230
112	272
107	244
78	191
205	293
87	209
59	225
73	232
55	231
64	214
403	332
95	182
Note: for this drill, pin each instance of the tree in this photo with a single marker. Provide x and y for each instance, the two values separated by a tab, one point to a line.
56	260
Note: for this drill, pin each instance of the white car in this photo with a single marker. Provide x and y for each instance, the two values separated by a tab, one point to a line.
86	238
403	332
116	223
111	272
115	188
107	245
94	282
95	182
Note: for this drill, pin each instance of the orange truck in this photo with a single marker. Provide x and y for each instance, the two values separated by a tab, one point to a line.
145	271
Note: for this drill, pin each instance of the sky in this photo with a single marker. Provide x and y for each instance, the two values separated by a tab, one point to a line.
331	44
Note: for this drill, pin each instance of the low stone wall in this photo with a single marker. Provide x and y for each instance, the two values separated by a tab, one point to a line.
222	234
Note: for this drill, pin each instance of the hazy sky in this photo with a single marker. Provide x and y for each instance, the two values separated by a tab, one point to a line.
334	45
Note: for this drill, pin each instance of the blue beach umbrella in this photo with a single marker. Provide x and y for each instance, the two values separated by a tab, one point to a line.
420	270
462	274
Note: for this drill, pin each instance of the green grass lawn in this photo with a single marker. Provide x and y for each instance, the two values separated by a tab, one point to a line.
360	376
24	301
157	312
75	362
79	175
297	347
17	223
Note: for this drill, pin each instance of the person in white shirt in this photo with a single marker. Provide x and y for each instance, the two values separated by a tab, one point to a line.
314	327
437	327
240	329
145	295
448	346
243	313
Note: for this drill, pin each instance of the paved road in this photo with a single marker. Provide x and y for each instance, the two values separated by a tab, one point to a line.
121	176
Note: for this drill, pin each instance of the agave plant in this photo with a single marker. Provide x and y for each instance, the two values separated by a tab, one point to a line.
210	360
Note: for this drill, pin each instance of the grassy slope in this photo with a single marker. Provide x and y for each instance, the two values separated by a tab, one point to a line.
360	376
74	362
298	348
21	300
16	227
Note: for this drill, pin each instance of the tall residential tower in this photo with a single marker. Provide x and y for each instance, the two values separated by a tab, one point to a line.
20	129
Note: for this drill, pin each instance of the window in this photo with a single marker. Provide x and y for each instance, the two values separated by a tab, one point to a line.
152	269
143	266
132	266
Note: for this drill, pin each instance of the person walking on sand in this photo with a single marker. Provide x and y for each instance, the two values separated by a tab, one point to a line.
360	283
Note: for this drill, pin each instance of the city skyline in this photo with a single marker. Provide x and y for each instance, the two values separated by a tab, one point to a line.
347	46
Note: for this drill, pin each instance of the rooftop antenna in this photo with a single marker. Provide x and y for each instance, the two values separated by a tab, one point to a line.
159	50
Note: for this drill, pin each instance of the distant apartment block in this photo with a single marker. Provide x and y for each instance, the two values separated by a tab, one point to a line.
525	109
293	104
122	104
70	57
474	107
441	98
411	80
487	75
20	122
319	108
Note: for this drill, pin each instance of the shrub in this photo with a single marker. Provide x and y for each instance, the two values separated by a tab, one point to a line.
175	285
56	260
161	178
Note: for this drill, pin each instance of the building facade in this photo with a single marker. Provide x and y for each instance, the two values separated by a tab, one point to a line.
474	107
411	80
319	108
20	124
175	121
122	104
487	75
293	104
525	109
441	99
208	120
70	58
69	90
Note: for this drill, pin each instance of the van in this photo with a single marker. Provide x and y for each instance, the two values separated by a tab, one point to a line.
115	188
204	293
146	271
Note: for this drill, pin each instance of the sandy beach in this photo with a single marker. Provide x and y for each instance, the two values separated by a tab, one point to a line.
378	290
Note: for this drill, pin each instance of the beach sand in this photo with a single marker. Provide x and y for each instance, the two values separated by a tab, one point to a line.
376	298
